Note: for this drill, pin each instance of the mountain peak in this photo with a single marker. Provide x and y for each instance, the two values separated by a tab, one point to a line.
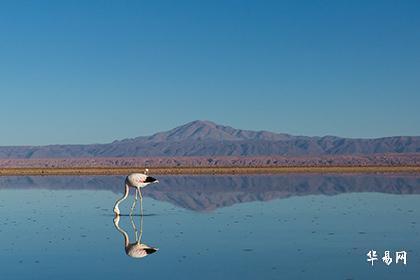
200	123
208	130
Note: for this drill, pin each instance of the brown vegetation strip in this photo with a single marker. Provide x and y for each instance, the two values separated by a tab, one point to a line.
205	170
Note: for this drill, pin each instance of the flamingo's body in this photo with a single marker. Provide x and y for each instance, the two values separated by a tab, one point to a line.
136	181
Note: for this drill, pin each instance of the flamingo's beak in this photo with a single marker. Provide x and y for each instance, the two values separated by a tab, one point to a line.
116	212
117	219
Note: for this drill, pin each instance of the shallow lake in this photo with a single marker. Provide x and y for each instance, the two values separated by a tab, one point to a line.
211	227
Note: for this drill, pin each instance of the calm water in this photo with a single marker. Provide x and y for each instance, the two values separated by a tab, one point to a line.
211	227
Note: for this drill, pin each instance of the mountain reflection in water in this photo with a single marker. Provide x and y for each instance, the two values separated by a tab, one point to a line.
207	193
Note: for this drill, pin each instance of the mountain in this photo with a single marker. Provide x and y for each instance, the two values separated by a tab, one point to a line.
206	130
205	138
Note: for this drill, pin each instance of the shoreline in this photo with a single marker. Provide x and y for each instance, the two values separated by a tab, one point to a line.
24	171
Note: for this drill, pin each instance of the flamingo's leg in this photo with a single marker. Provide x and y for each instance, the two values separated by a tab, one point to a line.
141	217
134	203
133	224
141	202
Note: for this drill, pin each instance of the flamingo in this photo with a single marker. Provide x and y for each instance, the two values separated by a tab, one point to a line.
136	249
137	181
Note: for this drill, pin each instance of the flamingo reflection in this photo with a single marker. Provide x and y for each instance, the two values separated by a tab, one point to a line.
136	249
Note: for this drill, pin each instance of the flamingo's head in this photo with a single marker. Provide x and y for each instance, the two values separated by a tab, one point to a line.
116	211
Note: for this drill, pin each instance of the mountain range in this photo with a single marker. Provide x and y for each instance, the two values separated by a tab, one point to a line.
205	138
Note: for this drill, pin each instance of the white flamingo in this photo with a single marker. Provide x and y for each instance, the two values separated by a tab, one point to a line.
136	249
136	181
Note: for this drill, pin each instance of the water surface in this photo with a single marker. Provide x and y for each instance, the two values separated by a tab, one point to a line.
211	227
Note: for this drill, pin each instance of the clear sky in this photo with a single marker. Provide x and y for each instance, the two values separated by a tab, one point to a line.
96	71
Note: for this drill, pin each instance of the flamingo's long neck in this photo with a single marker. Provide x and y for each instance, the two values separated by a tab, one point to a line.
123	232
127	190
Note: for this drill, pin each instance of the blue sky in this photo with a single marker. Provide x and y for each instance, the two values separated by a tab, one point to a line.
95	71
